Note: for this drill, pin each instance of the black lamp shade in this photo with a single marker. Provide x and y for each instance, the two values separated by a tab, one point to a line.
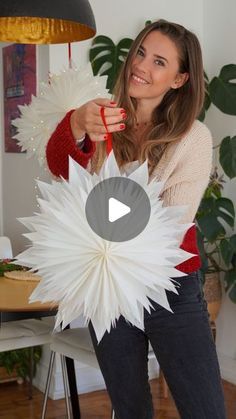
46	21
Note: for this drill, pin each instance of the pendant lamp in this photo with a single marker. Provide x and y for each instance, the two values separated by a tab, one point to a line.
46	21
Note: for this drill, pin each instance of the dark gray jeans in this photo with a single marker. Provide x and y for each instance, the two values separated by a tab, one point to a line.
184	348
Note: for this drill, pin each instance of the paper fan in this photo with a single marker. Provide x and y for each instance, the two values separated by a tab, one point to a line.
88	275
68	90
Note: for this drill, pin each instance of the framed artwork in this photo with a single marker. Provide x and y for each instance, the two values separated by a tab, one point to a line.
19	83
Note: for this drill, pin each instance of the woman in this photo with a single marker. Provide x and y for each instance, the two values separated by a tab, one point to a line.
158	96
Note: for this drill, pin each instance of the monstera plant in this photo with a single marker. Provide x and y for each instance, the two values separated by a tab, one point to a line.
106	57
216	214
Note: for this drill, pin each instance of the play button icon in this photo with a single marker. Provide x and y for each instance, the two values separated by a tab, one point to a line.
117	209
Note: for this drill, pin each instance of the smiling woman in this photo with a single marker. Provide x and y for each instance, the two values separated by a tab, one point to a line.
161	88
169	59
154	71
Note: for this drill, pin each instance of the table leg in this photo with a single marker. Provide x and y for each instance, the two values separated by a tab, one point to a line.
70	366
31	371
163	385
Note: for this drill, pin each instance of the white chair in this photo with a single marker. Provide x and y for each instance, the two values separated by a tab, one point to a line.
75	344
5	248
24	334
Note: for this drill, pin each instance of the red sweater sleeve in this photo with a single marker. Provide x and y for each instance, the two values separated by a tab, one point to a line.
62	144
190	245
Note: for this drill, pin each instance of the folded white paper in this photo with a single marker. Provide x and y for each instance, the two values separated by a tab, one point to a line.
88	275
69	89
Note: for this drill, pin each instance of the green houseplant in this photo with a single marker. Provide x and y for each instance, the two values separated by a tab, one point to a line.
216	214
18	362
107	58
6	266
217	247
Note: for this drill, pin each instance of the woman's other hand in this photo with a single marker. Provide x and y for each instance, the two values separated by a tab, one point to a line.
88	119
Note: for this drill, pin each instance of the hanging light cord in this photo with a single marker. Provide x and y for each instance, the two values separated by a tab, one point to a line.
69	55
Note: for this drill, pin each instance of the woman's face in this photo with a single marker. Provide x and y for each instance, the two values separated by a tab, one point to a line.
155	69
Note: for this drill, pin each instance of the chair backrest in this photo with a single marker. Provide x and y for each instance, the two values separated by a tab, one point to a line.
24	333
5	248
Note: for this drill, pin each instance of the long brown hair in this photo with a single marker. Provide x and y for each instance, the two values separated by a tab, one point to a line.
174	116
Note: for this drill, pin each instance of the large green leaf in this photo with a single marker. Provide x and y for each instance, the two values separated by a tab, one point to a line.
222	90
210	215
232	292
228	156
228	249
106	57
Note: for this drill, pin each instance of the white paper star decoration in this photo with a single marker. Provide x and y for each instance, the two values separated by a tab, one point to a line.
68	90
88	275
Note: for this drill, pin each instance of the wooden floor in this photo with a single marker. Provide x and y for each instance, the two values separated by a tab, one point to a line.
15	405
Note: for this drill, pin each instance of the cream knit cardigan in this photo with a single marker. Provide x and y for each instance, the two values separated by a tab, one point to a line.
185	168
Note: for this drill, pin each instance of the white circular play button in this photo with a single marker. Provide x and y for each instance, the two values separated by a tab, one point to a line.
118	209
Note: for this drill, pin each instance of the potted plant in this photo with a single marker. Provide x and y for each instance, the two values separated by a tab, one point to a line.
16	363
216	214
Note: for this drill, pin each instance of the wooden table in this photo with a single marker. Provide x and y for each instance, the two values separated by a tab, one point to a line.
14	301
14	305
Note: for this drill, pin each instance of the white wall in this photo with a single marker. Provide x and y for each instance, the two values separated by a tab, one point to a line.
19	173
119	19
219	49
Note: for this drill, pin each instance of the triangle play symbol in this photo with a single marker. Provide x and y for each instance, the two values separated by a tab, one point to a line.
117	209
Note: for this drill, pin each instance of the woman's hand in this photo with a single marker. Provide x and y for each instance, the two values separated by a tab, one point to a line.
87	119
